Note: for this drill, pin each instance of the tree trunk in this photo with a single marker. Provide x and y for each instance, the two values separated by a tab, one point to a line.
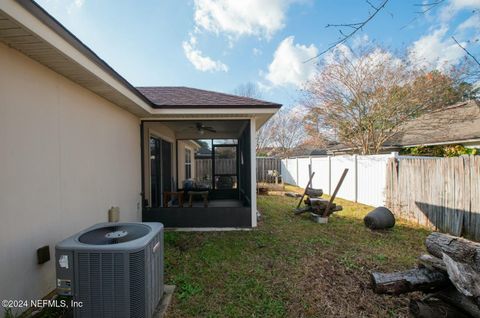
459	249
422	279
464	277
316	202
432	262
434	308
454	298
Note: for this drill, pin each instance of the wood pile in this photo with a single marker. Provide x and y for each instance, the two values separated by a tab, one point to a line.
320	209
449	276
317	206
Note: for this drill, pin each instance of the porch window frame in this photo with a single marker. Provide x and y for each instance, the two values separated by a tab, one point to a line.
188	163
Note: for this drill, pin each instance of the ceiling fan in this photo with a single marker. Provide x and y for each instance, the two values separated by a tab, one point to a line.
202	128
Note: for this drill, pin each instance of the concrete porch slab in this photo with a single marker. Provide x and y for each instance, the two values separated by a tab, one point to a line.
162	307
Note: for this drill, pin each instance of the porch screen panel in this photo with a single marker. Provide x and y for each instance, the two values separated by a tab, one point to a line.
166	166
225	160
225	168
244	165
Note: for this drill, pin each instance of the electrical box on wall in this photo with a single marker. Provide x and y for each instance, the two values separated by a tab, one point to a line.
43	254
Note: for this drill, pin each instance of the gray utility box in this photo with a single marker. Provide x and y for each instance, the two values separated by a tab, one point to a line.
112	270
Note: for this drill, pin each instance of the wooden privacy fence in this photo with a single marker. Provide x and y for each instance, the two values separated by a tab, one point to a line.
440	193
264	164
203	167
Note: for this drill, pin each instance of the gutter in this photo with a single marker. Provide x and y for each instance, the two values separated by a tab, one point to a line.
461	141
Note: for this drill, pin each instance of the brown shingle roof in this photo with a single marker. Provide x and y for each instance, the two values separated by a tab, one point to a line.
456	123
165	97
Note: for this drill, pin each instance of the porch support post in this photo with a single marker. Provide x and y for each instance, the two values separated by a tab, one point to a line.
253	167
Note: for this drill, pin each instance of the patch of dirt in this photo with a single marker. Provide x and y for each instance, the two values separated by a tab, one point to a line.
187	242
336	291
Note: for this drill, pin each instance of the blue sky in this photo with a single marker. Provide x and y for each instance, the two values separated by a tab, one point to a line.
221	44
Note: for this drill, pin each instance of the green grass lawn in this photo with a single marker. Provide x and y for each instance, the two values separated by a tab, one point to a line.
289	266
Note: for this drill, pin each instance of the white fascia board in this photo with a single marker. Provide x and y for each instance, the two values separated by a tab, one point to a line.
249	112
37	27
261	114
448	142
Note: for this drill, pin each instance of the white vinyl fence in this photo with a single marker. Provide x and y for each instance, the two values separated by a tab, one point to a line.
364	183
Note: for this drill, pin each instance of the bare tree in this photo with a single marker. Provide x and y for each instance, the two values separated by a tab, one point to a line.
264	134
287	131
348	30
248	90
365	98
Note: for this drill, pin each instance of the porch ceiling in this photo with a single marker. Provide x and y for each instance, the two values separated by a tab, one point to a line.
224	128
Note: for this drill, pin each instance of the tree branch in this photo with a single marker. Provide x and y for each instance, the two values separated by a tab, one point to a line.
466	51
355	26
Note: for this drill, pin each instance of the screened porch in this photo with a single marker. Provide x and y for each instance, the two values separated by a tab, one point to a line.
197	174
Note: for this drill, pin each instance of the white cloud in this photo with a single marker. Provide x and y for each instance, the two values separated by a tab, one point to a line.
201	62
79	3
256	51
288	67
75	5
472	22
246	17
436	50
360	41
454	6
70	6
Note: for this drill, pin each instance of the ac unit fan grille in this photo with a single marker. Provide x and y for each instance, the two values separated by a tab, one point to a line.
101	282
137	284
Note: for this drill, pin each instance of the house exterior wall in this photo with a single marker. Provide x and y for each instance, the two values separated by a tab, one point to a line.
158	130
182	145
66	156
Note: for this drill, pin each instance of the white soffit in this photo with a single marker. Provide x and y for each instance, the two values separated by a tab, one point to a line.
24	32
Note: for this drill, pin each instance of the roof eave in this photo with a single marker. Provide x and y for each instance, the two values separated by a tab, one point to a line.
276	106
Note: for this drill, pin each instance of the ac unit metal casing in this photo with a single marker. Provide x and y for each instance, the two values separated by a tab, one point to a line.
113	280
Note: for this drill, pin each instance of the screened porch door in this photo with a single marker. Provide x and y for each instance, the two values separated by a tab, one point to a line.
160	170
225	171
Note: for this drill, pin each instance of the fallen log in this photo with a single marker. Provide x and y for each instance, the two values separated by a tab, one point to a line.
333	208
434	308
418	279
459	249
293	194
316	201
457	299
432	262
319	204
303	210
308	186
464	277
314	193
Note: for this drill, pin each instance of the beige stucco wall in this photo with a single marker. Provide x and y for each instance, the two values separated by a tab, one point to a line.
159	130
182	145
66	157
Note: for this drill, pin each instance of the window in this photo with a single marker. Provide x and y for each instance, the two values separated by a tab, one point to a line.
188	163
